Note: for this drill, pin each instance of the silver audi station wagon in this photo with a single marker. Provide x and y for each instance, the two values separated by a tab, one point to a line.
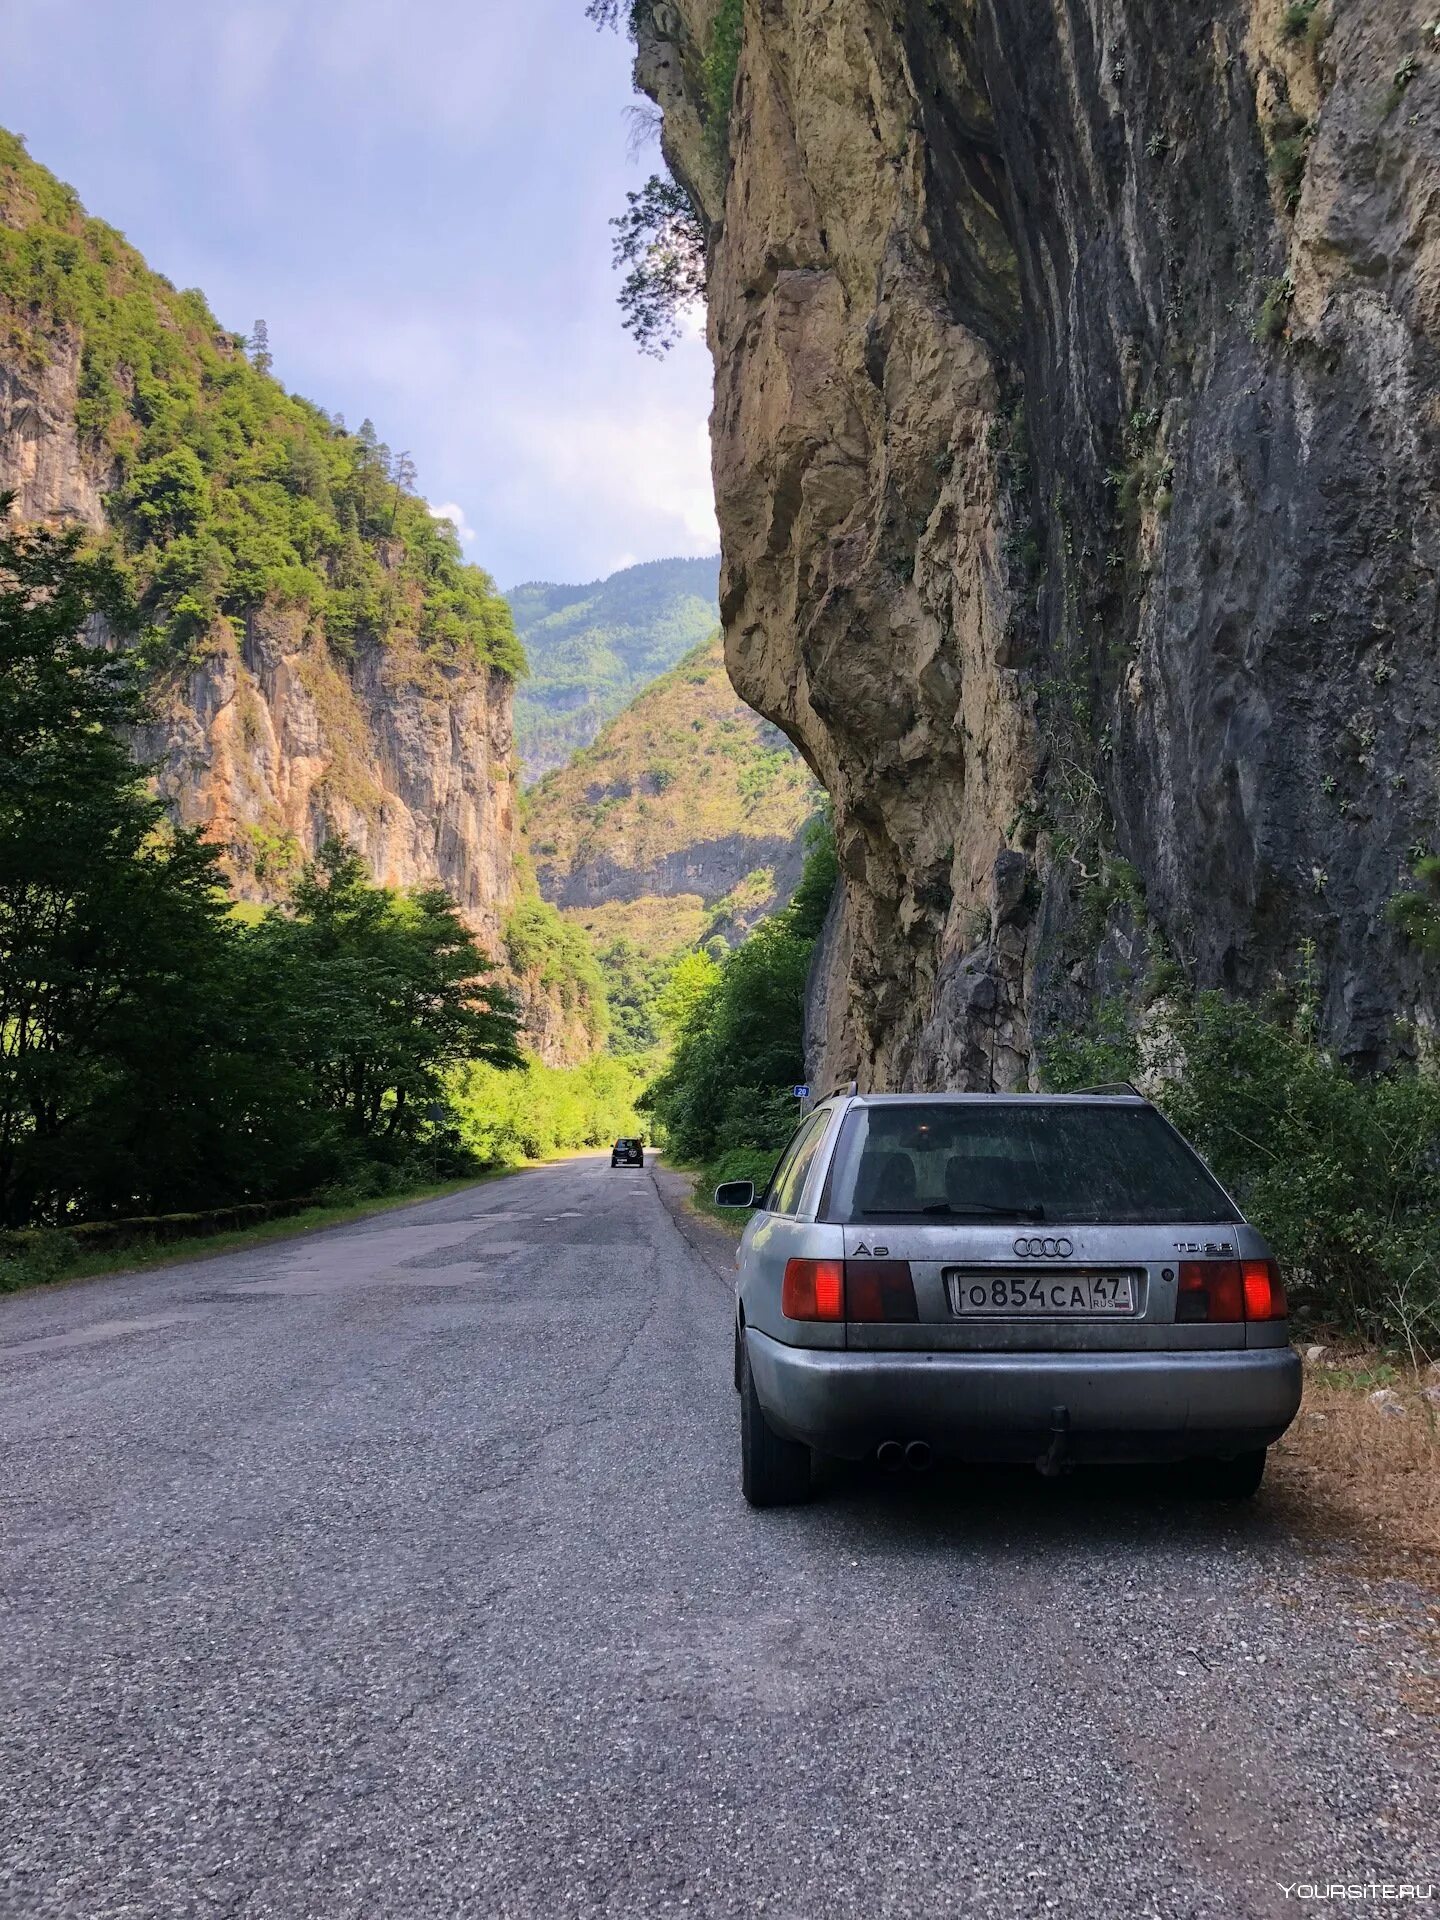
991	1277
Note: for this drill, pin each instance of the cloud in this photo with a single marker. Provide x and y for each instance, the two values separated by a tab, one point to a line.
448	510
636	463
565	445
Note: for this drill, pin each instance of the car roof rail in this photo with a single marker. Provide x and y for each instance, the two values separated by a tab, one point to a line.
851	1088
1112	1086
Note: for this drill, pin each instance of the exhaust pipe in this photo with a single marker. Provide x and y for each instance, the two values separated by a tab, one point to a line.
890	1455
918	1456
1052	1461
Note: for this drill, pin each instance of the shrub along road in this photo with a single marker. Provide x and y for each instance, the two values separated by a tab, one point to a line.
403	1570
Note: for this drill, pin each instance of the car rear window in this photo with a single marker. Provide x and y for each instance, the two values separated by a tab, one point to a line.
1075	1162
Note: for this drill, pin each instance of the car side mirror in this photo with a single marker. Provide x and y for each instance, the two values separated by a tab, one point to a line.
735	1193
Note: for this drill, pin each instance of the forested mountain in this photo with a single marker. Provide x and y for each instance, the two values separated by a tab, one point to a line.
683	823
320	660
592	647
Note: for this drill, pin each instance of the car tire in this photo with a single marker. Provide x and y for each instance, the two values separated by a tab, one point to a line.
774	1471
1235	1479
737	1357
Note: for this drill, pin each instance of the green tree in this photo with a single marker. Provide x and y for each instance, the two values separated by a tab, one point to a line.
118	1072
261	357
739	1028
377	995
660	241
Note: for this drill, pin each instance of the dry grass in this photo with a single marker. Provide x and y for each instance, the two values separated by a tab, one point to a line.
1353	1470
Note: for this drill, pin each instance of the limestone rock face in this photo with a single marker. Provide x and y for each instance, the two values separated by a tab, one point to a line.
41	460
276	744
1074	441
272	741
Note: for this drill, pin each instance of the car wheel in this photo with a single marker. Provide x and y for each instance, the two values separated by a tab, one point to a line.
737	1356
1235	1479
774	1471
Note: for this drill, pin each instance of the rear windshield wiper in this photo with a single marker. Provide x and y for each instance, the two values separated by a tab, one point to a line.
942	1210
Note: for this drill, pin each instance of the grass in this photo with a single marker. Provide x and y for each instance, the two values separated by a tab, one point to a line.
175	1253
721	65
733	1220
1274	316
740	1163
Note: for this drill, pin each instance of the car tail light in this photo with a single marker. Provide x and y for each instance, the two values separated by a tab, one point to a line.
879	1290
813	1290
1264	1290
1230	1290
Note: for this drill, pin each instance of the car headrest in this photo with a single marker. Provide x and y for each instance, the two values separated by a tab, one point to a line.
886	1183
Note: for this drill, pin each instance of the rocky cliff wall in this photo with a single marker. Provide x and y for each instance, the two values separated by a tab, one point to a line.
1074	442
271	741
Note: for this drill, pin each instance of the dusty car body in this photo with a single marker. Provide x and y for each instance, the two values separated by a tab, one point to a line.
1056	1279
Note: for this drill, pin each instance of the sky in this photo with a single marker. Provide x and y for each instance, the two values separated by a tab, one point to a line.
415	196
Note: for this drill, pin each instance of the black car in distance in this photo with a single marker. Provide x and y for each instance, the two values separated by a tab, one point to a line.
628	1153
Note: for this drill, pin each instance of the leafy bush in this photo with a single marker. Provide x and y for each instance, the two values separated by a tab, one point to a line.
1341	1173
739	1027
45	1258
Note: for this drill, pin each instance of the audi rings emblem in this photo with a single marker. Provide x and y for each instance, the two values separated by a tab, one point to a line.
1044	1249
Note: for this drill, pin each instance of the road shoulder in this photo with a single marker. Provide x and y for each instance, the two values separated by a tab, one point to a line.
709	1242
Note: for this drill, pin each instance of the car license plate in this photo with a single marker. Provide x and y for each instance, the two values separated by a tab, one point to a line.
1051	1295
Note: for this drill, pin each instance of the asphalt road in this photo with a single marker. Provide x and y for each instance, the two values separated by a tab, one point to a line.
403	1571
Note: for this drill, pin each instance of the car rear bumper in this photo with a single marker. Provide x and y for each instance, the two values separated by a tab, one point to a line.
1012	1406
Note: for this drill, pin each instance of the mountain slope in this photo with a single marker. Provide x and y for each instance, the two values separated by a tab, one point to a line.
322	662
683	820
592	647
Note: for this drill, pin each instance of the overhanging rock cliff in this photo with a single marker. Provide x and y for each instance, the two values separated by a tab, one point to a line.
1074	441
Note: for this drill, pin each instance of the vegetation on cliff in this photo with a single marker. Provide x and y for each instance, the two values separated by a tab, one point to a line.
686	765
157	1051
592	648
224	490
661	239
556	972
